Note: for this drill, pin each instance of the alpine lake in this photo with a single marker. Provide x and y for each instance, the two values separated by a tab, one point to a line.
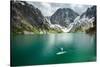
39	49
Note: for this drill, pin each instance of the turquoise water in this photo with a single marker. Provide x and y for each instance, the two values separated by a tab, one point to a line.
42	49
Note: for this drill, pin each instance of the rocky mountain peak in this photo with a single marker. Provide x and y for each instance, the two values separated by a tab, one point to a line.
63	16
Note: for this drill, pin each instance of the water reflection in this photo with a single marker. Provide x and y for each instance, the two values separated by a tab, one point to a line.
42	49
56	41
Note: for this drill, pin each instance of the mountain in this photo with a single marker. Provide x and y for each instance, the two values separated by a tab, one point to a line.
63	16
91	12
85	22
48	19
25	18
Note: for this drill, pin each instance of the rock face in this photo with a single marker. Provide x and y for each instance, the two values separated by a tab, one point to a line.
91	12
25	17
85	22
63	16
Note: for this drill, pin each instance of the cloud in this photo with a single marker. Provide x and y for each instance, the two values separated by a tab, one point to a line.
79	8
48	9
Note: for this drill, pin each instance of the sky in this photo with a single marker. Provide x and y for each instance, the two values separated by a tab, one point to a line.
49	9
